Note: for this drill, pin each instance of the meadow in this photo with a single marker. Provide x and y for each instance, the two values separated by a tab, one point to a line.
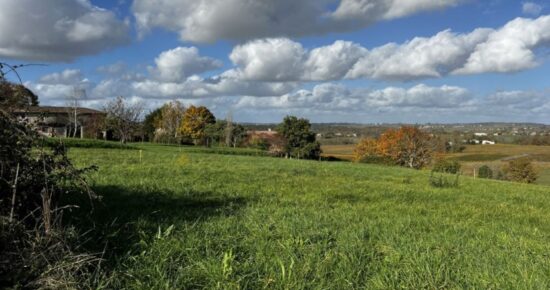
195	219
475	156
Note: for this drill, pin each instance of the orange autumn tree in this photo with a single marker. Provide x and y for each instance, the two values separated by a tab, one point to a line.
408	146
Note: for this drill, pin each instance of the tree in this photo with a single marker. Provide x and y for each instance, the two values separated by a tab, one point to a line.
194	123
73	102
238	135
123	117
150	123
408	146
367	150
215	132
299	140
521	170
415	147
229	129
15	96
171	118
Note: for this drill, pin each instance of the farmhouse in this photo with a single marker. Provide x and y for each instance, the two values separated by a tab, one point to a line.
487	142
62	121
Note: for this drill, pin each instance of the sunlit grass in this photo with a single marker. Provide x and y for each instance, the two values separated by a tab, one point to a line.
182	219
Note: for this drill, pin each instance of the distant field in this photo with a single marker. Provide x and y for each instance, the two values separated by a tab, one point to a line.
184	218
339	151
475	156
496	156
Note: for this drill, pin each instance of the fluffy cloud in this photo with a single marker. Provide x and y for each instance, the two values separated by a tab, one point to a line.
335	97
274	59
531	8
508	49
33	30
332	62
421	57
511	48
212	20
177	64
420	96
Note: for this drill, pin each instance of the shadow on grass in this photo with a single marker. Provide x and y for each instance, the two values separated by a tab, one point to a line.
125	216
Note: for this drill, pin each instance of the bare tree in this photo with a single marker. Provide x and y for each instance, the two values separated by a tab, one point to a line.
229	129
73	102
123	117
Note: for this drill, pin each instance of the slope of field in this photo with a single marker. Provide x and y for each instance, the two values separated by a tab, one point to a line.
187	220
477	155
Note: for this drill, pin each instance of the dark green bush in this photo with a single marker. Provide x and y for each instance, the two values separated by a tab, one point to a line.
442	180
446	166
485	172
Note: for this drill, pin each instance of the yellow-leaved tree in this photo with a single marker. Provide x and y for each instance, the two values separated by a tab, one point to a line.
195	120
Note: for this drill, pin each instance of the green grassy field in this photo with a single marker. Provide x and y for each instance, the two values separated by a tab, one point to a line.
186	220
475	156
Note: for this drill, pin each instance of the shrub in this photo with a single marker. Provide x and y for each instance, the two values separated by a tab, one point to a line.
446	166
35	252
521	170
485	172
441	180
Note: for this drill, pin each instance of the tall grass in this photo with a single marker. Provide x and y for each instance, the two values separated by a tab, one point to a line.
186	219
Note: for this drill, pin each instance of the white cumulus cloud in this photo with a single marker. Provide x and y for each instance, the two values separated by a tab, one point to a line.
510	48
177	64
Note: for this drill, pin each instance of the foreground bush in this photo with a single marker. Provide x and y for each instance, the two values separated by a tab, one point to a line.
34	252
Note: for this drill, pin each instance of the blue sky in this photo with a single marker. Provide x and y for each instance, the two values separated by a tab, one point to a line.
339	61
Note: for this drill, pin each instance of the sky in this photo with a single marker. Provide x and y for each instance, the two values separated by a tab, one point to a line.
356	61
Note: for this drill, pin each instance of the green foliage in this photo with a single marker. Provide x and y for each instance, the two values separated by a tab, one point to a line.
215	133
150	123
485	172
300	141
32	182
521	170
446	166
441	180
